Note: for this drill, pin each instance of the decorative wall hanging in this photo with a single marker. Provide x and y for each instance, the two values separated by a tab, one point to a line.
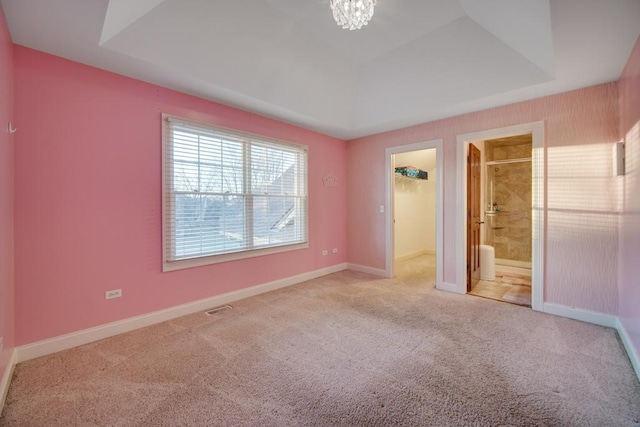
330	180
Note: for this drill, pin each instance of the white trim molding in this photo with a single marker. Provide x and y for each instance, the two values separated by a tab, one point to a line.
366	269
628	345
436	144
536	130
451	287
74	339
608	320
6	378
414	255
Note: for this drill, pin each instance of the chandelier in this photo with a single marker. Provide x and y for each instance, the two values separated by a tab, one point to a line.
352	14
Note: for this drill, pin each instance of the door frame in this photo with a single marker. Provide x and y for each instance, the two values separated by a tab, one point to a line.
390	215
473	250
538	202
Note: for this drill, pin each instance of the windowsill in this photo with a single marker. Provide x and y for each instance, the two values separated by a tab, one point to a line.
216	259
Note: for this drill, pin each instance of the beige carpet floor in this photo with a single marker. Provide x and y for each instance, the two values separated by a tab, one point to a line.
347	349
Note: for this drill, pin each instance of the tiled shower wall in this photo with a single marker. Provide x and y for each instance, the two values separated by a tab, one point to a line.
509	186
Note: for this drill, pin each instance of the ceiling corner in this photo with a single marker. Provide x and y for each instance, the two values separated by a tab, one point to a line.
122	13
522	25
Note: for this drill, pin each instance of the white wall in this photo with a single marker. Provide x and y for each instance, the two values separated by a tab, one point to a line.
415	206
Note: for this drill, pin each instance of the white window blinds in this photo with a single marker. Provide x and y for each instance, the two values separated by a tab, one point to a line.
227	192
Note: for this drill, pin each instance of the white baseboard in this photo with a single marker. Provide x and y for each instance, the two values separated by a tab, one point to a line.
6	378
513	270
366	269
512	263
450	287
601	319
414	255
74	339
628	345
588	316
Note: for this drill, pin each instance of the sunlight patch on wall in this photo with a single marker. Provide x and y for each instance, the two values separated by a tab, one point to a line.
582	230
632	173
630	238
581	178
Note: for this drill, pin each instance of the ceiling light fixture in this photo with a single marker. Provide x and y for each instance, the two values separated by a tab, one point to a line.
352	14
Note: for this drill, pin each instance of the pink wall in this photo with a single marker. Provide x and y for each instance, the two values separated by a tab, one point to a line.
580	272
88	199
6	193
629	273
87	196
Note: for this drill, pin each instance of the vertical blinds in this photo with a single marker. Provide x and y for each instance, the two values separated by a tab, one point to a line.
229	192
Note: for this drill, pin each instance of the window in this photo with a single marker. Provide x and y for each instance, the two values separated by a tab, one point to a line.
229	195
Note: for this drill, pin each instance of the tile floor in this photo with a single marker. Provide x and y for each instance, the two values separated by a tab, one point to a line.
507	287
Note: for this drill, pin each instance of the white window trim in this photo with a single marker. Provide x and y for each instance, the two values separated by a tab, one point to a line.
215	259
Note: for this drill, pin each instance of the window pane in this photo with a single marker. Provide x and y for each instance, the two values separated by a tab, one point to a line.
211	179
208	225
232	222
185	146
185	177
272	170
233	179
210	151
274	220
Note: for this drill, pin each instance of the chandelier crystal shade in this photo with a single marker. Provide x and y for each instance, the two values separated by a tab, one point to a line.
352	14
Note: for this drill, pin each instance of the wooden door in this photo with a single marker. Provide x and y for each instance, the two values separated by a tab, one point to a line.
473	217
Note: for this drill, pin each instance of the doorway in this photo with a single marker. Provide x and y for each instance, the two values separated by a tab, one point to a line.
404	187
501	209
415	214
534	214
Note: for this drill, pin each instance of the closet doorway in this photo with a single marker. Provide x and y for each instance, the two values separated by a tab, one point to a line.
414	217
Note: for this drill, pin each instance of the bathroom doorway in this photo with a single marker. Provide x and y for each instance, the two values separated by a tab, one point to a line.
414	235
510	251
504	184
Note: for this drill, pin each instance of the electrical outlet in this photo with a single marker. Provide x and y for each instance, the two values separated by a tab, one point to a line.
335	250
325	252
115	293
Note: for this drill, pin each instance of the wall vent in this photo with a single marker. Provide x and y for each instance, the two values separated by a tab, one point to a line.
218	309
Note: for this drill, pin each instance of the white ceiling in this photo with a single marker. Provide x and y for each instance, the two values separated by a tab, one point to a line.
416	61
